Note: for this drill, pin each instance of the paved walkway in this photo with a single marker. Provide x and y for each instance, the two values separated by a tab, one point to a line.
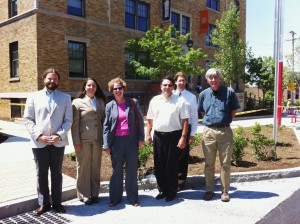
18	193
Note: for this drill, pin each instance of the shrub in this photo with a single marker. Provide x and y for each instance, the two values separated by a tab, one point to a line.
197	141
239	144
73	156
256	129
261	143
144	154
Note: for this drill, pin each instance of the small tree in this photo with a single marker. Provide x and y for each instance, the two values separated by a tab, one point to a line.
166	53
261	73
231	58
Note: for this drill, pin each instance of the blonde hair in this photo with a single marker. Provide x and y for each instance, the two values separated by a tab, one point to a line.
116	80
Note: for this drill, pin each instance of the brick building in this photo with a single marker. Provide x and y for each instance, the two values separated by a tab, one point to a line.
85	38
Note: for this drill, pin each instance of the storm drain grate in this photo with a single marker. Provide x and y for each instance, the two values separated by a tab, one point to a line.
48	217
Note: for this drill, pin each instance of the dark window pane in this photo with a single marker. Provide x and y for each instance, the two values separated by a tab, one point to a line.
77	59
129	21
136	15
142	24
213	4
129	70
185	25
14	60
13	8
175	19
75	7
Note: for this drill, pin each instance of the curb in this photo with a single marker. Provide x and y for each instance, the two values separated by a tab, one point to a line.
26	204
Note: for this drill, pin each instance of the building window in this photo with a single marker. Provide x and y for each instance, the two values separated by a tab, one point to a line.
181	22
208	35
129	70
13	8
213	4
237	4
16	110
14	60
76	7
77	59
136	15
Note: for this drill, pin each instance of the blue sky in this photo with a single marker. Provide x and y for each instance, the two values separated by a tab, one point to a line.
260	26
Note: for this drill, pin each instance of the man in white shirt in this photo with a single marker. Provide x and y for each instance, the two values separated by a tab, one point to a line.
191	103
168	117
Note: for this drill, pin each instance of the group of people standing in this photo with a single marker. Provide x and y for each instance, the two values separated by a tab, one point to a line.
117	127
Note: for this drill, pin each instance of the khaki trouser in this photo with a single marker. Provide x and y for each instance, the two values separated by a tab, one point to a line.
88	168
217	140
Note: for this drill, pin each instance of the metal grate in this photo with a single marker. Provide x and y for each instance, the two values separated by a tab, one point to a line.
48	217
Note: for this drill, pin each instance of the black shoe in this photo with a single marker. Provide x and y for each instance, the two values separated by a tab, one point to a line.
180	186
170	197
59	208
42	209
136	204
113	203
161	195
88	201
95	199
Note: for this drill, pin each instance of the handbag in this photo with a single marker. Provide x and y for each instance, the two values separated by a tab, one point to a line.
135	112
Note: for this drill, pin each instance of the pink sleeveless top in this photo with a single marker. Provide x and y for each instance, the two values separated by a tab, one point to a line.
122	123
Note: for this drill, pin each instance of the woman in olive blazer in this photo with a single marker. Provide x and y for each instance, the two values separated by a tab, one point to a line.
87	133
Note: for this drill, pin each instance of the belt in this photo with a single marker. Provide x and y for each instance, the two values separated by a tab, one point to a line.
218	126
166	133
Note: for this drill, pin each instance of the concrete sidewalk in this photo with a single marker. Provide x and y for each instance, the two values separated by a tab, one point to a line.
18	187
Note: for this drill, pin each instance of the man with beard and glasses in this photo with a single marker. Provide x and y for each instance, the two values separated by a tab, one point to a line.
48	118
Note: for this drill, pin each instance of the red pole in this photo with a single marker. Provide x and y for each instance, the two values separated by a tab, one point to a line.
279	90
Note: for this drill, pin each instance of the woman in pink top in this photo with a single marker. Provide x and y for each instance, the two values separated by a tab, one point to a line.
123	135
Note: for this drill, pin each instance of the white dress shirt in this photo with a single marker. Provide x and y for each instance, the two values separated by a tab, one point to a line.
191	104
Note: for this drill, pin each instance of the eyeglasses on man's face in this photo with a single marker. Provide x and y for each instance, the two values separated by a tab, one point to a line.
118	88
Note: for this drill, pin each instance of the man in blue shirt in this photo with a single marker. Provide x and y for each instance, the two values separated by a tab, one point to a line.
218	105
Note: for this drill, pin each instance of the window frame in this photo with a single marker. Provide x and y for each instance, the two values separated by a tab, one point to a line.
129	72
13	8
134	16
81	9
83	59
181	16
14	61
208	42
213	4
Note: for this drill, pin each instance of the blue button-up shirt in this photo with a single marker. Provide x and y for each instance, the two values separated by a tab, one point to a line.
217	105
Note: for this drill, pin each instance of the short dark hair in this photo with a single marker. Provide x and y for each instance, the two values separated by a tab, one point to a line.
168	78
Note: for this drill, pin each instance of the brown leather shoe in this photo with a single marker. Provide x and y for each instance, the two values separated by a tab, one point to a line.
225	197
42	209
208	195
59	208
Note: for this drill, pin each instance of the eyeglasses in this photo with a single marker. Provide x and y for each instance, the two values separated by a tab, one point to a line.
169	85
118	88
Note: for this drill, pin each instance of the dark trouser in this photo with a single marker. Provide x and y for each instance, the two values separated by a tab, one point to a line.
184	161
166	157
124	149
45	158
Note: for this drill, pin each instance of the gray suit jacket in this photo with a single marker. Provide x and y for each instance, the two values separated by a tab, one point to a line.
111	118
39	120
87	122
